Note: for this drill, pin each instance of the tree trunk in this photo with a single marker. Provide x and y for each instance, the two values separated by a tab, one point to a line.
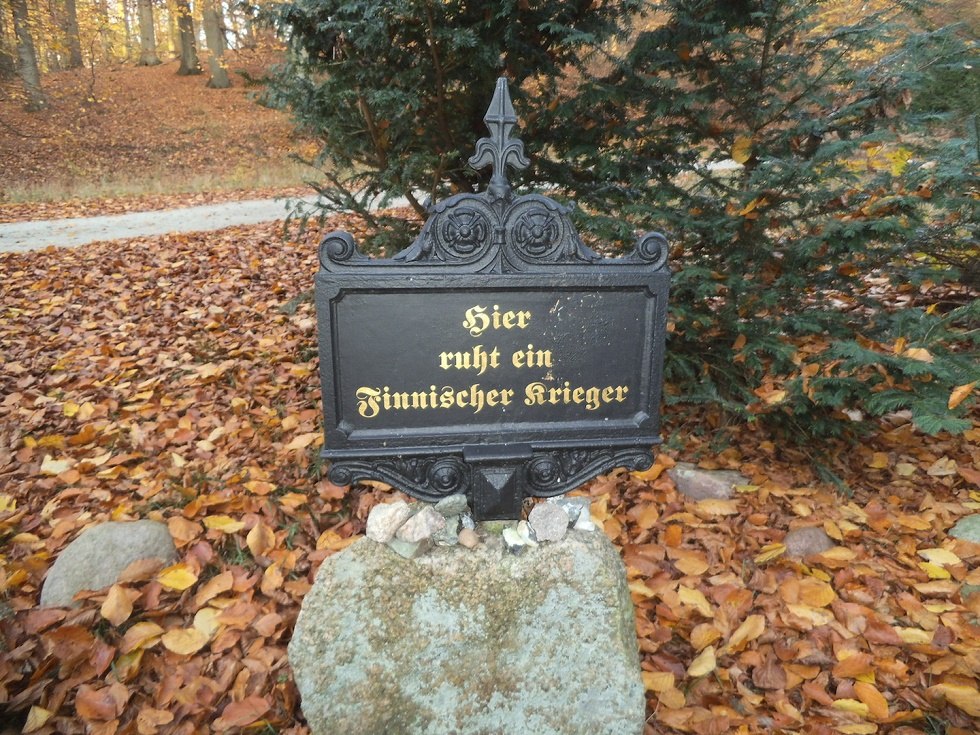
127	13
74	41
188	48
148	43
173	34
27	68
216	47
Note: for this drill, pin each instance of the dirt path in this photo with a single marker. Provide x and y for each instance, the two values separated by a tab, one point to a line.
24	236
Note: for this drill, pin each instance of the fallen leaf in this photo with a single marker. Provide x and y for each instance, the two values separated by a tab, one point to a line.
184	641
225	524
876	703
118	605
704	663
750	629
961	696
959	394
241	714
177	577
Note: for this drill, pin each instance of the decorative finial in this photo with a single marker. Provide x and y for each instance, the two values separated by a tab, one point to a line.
500	150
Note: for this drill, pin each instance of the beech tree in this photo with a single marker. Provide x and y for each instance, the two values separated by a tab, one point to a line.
148	44
214	35
72	37
189	63
27	66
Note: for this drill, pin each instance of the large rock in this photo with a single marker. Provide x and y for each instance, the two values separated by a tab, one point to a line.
473	642
699	484
100	554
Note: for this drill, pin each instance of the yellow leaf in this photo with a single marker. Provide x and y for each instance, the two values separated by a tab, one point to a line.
696	599
961	696
816	593
879	461
839	553
304	440
742	149
333	541
141	635
815	615
117	606
177	577
184	641
36	718
716	507
704	635
940	556
272	579
704	664
877	704
7	502
658	681
913	636
225	524
53	467
933	570
918	353
672	698
691	565
70	408
777	396
851	705
638	588
858	728
656	469
750	629
770	552
959	394
206	620
904	469
259	487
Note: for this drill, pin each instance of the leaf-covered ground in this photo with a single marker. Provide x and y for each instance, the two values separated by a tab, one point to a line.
176	379
124	131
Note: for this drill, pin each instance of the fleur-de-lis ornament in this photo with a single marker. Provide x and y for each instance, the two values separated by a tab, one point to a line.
500	150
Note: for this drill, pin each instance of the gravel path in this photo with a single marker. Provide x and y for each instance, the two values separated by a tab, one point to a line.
23	236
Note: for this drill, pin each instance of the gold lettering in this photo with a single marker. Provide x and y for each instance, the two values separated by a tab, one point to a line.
592	397
477	321
478	360
367	402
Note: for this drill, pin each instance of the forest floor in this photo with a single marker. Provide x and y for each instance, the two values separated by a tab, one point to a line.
174	378
131	138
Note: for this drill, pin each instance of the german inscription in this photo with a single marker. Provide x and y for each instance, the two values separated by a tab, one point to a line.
497	355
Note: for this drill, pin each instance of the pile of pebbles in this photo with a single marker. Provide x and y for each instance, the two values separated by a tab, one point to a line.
411	529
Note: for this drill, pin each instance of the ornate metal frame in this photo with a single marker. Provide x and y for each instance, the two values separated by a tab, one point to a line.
492	241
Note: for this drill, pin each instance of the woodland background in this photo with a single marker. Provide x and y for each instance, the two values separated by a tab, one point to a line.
815	167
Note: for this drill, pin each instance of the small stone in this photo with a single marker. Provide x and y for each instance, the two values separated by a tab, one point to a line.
453	505
549	521
408	549
384	520
448	536
469	538
803	542
699	484
467	520
967	528
572	506
584	522
513	541
525	531
422	525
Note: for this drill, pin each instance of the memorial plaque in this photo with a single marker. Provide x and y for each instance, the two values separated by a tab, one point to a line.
497	356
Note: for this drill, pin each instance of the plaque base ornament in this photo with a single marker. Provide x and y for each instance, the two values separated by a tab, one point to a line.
497	356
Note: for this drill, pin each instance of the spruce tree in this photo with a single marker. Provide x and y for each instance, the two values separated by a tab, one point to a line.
777	142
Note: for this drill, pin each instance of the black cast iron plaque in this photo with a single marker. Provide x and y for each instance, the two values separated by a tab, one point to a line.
497	356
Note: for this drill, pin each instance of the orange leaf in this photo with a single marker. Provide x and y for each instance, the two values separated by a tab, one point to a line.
118	605
877	704
240	714
959	394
